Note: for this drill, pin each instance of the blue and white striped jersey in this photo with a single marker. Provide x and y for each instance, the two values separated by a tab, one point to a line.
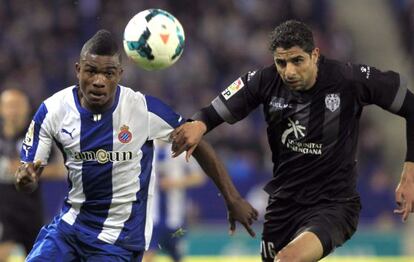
109	158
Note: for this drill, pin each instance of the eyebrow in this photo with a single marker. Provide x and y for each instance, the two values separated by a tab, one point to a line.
105	68
290	58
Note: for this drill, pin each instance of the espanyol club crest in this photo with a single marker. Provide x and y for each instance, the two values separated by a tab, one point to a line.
332	101
124	136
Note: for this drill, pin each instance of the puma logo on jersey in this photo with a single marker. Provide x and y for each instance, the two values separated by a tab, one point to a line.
64	131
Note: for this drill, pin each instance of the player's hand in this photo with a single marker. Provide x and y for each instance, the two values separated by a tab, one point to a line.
27	176
186	138
241	211
404	194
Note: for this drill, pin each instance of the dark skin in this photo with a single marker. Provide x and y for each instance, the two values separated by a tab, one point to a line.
98	79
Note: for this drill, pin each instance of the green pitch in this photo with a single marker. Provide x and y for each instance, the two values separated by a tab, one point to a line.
257	259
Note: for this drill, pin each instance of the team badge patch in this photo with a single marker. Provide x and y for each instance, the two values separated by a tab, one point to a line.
28	140
332	101
232	89
124	135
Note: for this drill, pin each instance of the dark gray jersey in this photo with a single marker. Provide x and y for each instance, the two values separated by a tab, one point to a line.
313	134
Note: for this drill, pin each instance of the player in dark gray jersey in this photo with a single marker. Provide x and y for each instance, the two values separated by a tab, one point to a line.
312	106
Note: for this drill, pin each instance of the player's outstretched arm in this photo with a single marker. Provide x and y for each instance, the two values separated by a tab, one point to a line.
27	176
238	209
187	137
404	194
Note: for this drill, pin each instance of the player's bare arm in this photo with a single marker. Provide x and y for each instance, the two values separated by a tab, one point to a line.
238	209
27	176
404	194
187	137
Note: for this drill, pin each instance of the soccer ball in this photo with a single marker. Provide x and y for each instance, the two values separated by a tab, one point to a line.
154	39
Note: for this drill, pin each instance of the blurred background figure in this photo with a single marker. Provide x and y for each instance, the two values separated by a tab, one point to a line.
174	177
21	215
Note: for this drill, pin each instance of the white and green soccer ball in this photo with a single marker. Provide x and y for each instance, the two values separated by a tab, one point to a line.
154	39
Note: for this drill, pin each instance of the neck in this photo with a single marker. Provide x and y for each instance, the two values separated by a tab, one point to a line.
313	82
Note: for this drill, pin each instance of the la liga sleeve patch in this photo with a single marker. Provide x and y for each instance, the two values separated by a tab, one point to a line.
233	89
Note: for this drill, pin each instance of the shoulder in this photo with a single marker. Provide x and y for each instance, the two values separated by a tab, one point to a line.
129	94
131	98
264	74
365	74
259	80
137	99
54	108
334	70
347	71
60	101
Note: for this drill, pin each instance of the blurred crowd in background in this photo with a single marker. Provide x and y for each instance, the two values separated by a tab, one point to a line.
404	13
40	42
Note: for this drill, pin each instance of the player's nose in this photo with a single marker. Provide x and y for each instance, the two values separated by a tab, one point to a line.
290	71
99	81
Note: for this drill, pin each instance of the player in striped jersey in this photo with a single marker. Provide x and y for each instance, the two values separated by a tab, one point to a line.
312	106
105	132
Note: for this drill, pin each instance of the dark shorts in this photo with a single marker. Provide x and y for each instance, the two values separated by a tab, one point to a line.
333	223
21	216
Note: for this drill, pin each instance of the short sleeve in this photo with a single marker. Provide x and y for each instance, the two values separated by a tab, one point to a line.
38	140
385	89
162	119
239	98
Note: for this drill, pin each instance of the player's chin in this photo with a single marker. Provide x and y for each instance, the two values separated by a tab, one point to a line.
297	87
97	99
97	102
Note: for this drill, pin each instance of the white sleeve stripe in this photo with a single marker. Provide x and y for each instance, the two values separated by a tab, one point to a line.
223	111
399	97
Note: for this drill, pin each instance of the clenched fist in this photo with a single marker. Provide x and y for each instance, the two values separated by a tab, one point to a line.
27	177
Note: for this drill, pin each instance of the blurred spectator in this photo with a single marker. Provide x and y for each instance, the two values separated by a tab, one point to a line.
375	184
21	215
404	14
174	177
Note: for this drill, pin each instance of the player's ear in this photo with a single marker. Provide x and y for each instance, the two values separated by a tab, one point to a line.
315	54
77	68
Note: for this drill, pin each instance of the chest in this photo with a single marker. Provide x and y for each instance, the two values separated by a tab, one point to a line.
108	132
317	116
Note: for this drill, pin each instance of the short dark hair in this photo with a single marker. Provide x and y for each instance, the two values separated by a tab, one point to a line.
292	33
102	43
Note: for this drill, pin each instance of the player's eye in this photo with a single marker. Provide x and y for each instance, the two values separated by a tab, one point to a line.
109	74
90	71
297	61
281	63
